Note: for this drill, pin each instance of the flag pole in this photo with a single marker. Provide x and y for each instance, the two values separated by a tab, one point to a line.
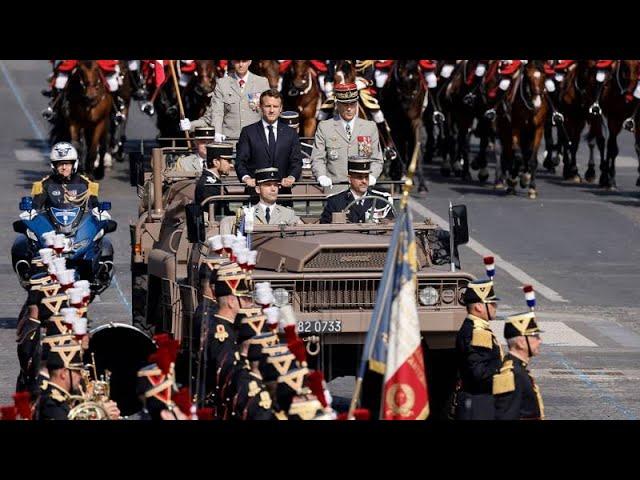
180	106
404	201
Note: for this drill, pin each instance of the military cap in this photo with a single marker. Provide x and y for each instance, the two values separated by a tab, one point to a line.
231	280
267	339
275	349
359	165
155	387
306	407
276	365
346	92
270	174
480	291
521	324
291	118
219	150
67	355
204	133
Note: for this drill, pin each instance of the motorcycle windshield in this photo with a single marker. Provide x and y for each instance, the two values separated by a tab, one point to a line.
65	216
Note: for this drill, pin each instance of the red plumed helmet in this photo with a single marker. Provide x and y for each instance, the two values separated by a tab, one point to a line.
298	349
23	404
314	381
182	400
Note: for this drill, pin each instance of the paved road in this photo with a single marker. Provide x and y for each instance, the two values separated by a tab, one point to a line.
576	243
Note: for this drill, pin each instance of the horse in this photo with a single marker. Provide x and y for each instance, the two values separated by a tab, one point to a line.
196	94
90	105
120	114
403	100
269	69
465	101
301	93
617	106
521	126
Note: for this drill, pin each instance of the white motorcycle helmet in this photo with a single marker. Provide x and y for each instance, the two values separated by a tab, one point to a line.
63	152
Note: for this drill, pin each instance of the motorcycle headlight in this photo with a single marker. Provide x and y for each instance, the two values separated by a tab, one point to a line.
428	296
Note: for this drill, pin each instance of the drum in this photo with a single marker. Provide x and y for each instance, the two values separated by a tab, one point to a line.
122	350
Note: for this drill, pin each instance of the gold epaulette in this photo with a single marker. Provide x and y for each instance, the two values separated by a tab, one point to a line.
504	381
57	395
92	187
281	415
36	189
482	338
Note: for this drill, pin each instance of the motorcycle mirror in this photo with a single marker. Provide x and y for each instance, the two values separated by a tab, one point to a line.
104	206
19	227
110	226
26	203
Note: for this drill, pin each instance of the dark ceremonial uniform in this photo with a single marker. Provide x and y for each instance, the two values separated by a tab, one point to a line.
209	185
53	403
358	211
517	397
51	192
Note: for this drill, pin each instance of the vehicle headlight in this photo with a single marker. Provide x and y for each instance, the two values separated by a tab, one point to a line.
428	296
281	297
448	295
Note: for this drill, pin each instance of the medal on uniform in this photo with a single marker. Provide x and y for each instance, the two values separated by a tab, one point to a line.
221	334
254	99
364	146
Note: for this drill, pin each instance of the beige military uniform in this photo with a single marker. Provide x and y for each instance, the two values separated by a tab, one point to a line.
189	163
277	215
331	148
233	108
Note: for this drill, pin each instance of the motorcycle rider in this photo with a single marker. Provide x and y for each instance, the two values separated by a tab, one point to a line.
65	187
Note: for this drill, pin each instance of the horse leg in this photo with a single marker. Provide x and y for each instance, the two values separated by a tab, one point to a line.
516	165
637	147
533	161
480	160
98	146
615	126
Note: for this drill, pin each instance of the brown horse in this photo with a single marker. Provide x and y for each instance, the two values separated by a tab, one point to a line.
90	106
617	105
196	93
521	126
302	93
269	69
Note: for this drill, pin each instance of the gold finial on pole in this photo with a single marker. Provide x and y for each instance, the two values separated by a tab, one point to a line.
408	184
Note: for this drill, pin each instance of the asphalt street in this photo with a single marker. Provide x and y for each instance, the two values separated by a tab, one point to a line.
577	244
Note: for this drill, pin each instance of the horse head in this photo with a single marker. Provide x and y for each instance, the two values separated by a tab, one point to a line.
269	69
205	77
301	78
408	81
345	71
534	76
91	82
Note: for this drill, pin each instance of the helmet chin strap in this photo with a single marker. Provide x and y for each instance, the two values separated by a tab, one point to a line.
486	306
528	346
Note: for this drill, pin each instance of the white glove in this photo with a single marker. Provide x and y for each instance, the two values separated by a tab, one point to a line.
372	180
185	125
324	181
218	137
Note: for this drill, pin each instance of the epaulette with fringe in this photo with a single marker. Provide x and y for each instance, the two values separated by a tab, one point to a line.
505	381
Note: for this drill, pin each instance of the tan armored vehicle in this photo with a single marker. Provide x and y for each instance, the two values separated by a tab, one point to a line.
329	273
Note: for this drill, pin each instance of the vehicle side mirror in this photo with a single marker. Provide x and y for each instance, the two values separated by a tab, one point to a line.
104	206
26	204
460	225
110	226
19	227
136	170
195	223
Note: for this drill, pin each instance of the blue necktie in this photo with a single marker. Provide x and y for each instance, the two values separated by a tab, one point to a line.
272	141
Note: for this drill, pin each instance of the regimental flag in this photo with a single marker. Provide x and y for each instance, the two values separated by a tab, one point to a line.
393	345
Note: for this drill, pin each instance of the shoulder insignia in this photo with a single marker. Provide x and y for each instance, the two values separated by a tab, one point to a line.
36	189
482	338
211	180
504	382
44	385
93	188
253	388
265	400
57	396
221	334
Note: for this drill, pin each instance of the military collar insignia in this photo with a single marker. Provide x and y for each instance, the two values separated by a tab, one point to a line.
221	333
58	393
253	388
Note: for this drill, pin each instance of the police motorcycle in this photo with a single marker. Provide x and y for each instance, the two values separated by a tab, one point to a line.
84	245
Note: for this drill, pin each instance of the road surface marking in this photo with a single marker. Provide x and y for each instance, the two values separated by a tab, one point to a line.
555	334
16	93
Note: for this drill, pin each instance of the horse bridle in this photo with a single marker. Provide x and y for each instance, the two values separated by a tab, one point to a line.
295	91
103	81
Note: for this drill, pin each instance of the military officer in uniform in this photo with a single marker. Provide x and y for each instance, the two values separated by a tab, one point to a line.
64	187
267	211
195	161
517	396
366	210
235	103
479	355
219	158
64	363
345	136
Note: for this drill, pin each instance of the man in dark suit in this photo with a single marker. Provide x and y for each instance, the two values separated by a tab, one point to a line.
364	210
269	143
218	164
